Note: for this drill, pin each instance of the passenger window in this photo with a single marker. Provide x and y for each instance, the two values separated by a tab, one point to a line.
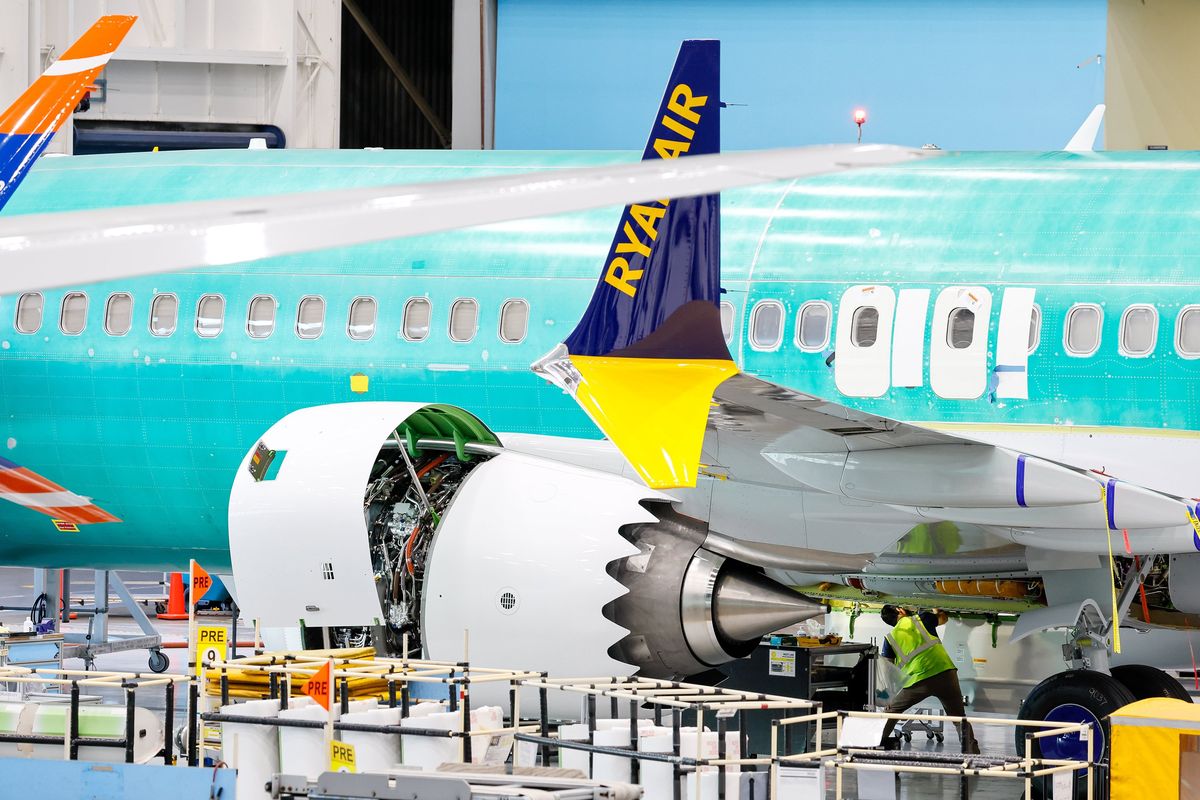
960	328
514	320
362	318
766	325
118	314
164	314
260	318
1187	333
727	321
29	313
812	325
1082	336
417	312
74	313
864	326
1139	330
464	320
210	316
310	317
1035	327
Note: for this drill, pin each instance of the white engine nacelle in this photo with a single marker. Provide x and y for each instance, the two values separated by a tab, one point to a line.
519	563
525	562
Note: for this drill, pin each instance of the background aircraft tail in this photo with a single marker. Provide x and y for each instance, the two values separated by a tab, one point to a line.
27	126
645	358
1084	140
27	488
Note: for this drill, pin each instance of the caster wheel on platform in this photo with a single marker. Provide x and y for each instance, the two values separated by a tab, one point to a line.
908	737
940	738
159	661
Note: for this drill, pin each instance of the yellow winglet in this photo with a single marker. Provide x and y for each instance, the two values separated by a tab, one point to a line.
653	409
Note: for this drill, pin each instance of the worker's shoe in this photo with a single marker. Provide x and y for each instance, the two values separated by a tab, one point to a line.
891	743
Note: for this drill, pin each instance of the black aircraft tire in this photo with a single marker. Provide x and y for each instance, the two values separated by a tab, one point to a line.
1144	681
1072	696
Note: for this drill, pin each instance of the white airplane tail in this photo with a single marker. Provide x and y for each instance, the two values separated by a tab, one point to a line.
1084	140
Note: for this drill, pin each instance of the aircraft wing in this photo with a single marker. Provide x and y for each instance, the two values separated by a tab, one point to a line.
648	362
757	429
41	251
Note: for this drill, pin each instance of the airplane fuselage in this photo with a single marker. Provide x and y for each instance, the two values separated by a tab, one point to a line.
153	424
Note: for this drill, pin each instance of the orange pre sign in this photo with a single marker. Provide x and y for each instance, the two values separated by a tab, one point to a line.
317	687
201	582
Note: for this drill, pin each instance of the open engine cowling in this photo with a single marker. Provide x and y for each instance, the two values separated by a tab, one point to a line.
526	561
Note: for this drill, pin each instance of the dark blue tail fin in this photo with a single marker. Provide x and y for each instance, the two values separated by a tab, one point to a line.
644	360
666	254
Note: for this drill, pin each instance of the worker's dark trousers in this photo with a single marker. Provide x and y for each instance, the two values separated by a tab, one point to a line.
944	686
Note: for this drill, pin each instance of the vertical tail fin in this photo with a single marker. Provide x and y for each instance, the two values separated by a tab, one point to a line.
27	126
1084	140
646	356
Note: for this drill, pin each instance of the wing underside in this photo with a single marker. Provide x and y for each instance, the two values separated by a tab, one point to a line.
759	431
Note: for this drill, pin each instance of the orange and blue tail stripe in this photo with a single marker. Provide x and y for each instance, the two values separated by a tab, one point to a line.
29	124
644	360
25	487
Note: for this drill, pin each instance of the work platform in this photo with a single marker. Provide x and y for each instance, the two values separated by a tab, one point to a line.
631	738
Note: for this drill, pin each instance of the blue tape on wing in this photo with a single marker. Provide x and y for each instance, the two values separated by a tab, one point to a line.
1021	481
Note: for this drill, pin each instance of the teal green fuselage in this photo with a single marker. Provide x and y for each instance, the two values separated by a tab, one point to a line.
153	427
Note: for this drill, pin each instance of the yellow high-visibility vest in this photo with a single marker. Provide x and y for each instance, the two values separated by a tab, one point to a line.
919	654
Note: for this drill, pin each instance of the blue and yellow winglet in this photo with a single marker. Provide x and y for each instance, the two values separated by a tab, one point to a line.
646	357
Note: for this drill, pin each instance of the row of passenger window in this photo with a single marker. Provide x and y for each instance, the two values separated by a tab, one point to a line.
261	316
1137	336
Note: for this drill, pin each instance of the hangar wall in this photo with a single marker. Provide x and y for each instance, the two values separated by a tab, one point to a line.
267	62
1153	69
975	74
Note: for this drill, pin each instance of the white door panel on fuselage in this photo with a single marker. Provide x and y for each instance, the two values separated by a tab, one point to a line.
862	367
908	340
958	342
1013	343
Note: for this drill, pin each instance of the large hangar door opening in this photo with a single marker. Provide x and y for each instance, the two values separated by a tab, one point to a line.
396	74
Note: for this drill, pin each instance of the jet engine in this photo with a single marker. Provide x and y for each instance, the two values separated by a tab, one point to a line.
394	522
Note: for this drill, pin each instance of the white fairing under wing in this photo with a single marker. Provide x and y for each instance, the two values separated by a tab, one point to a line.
759	431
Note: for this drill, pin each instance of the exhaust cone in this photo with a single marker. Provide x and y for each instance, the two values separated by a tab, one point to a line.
749	604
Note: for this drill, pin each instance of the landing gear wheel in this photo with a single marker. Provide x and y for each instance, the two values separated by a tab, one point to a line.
1077	695
159	661
1144	682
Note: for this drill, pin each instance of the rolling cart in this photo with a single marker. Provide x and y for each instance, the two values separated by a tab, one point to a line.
933	730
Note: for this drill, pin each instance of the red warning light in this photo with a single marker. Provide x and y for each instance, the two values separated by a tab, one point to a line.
860	116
